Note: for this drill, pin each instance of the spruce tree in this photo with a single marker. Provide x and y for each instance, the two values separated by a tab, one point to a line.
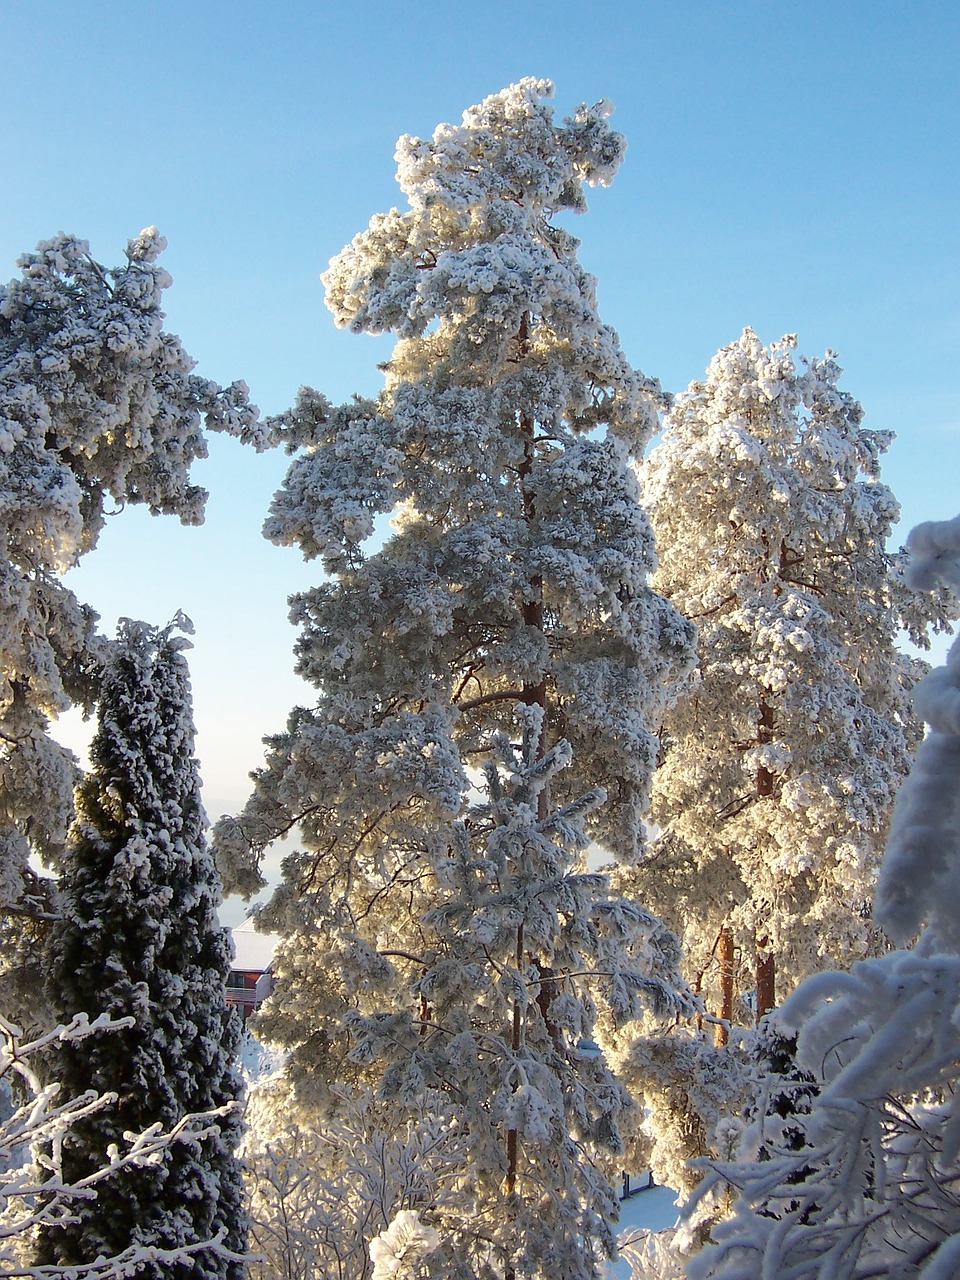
140	938
505	639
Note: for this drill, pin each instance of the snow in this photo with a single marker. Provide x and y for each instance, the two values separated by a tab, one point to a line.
99	407
862	1180
254	951
653	1209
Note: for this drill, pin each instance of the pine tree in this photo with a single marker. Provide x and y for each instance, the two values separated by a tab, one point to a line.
863	1179
504	638
98	405
140	939
785	756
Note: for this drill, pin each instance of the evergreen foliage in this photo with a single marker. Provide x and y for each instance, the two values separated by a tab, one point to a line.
863	1178
140	939
478	677
492	685
98	405
784	757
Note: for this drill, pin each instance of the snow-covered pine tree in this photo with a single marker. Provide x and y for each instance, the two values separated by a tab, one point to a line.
434	942
864	1181
97	405
140	938
784	758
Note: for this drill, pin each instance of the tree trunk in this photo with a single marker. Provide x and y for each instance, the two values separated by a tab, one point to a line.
534	695
726	956
766	979
766	965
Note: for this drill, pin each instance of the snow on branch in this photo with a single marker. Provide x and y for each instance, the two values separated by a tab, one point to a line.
33	1191
397	1252
864	1179
919	884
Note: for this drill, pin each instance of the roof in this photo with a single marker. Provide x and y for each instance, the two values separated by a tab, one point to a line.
254	950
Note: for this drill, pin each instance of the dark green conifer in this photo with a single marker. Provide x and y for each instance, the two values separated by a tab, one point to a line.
140	937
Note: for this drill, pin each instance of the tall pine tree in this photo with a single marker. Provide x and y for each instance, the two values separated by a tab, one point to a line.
504	637
140	938
784	760
863	1179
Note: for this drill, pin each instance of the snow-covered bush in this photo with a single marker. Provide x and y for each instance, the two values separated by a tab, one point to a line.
319	1194
398	1252
692	1093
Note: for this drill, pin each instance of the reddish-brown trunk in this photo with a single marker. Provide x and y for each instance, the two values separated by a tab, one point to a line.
766	728
426	1015
766	966
534	693
766	979
516	1040
725	952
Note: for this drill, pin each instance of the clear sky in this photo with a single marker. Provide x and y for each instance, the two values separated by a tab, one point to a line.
789	167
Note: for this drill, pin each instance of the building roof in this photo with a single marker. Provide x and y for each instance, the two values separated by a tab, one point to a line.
254	950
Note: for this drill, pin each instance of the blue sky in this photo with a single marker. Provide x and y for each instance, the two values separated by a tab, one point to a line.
793	168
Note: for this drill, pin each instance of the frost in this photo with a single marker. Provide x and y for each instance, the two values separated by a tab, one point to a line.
396	1252
33	1136
862	1180
99	407
785	756
919	886
478	678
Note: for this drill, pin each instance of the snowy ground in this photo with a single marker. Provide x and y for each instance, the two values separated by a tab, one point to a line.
256	1060
650	1210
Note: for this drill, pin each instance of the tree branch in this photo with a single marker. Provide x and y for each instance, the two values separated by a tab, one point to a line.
502	695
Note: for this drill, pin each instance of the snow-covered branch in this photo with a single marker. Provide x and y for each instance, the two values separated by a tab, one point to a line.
33	1190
